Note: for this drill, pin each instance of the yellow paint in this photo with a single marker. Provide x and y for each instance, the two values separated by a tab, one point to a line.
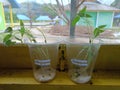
3	17
17	56
11	16
25	76
108	57
22	79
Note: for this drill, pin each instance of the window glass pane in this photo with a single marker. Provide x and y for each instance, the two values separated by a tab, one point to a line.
53	18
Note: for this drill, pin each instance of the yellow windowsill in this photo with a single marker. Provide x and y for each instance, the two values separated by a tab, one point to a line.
20	79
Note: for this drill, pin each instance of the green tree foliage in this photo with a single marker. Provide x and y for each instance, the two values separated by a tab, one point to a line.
7	17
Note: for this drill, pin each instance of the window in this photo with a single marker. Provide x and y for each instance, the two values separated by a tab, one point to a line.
53	18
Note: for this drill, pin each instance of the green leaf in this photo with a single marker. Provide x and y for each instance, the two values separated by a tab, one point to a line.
34	40
98	30
83	13
9	30
75	20
17	38
95	32
21	23
28	33
83	10
22	28
88	16
102	26
7	37
30	36
9	43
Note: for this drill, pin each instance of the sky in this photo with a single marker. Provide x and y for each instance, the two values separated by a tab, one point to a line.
107	2
43	1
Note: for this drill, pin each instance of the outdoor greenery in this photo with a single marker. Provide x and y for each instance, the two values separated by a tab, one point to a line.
7	17
33	10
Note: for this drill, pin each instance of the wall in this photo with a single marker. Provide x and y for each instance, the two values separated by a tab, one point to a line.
97	19
92	20
105	18
18	57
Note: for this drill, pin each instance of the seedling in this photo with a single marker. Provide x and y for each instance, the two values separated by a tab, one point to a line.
14	36
83	14
83	62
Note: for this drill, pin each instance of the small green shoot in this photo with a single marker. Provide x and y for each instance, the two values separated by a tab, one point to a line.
82	14
22	28
98	30
95	33
17	35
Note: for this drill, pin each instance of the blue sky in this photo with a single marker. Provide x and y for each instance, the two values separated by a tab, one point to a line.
43	1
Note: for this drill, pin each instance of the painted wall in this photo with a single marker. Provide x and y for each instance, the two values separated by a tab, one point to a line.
68	15
98	18
91	21
105	18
